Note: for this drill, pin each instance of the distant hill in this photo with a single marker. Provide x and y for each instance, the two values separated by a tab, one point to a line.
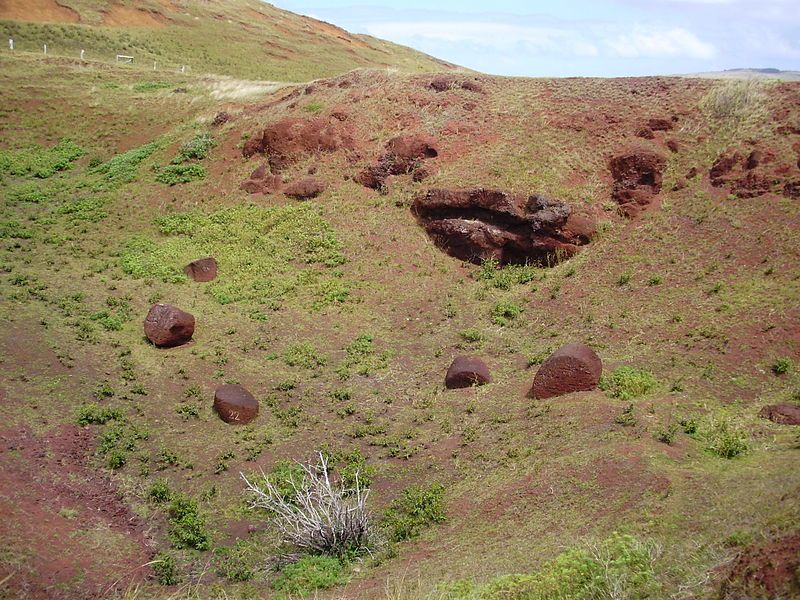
749	74
240	38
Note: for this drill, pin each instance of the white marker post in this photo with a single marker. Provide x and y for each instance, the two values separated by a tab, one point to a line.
183	68
10	44
82	51
45	48
154	65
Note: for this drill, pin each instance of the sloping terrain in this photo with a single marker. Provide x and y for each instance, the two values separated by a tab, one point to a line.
663	222
239	38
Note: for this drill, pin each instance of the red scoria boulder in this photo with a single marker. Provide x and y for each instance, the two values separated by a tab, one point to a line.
785	414
573	368
466	371
167	326
235	405
305	189
202	269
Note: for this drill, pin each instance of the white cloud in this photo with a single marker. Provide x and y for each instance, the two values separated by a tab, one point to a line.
677	42
499	36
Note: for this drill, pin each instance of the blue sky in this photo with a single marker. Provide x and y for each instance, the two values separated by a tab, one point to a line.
580	37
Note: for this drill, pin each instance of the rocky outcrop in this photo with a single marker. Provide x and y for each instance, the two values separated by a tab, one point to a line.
403	155
572	368
479	224
167	326
466	371
305	188
235	405
638	176
784	414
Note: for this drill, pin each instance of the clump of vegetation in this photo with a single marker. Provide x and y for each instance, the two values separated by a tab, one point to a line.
416	508
93	414
151	86
40	162
308	574
626	418
195	149
270	253
506	277
305	355
90	209
628	383
782	365
159	492
504	312
175	174
725	438
735	101
234	562
123	168
166	569
362	358
318	515
619	567
187	527
667	433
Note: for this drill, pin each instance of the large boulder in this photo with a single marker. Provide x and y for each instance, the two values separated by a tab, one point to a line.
202	269
785	414
167	326
572	368
235	405
305	188
479	224
638	176
466	371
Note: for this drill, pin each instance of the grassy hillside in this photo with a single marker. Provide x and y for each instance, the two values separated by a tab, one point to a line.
239	38
339	314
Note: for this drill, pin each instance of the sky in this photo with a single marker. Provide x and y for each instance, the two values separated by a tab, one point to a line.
563	38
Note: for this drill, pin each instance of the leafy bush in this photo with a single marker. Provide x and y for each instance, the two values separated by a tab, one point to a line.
90	414
165	569
416	508
40	162
123	168
505	311
90	209
308	574
782	365
159	492
628	383
725	439
233	562
362	358
187	528
506	277
175	174
619	567
195	149
29	192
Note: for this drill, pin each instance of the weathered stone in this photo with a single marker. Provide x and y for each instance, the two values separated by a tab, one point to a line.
235	405
202	269
305	188
572	368
466	371
479	224
167	326
785	414
403	155
638	175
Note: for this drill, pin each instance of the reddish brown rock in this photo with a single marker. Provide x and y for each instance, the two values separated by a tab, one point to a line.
235	405
785	414
573	368
167	326
659	124
645	133
673	145
764	570
580	227
202	269
638	176
261	181
479	224
466	371
691	173
220	118
305	189
403	155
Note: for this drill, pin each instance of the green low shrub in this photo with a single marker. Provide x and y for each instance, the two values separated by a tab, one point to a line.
165	568
176	174
628	383
187	527
93	414
40	162
416	508
308	574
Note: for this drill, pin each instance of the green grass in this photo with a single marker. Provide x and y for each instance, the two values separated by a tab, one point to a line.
416	509
271	255
187	527
309	574
628	383
124	168
39	162
175	174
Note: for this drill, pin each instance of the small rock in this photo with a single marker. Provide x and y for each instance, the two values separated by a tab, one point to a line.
305	189
235	405
466	371
785	414
673	145
202	269
572	368
220	118
167	326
